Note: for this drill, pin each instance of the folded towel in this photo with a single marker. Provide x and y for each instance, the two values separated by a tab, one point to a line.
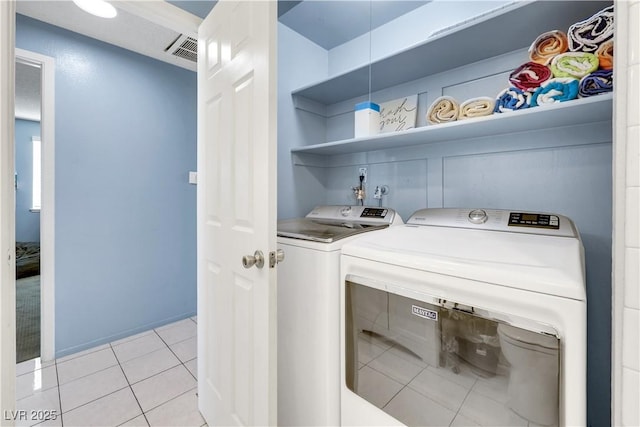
548	45
476	107
598	82
605	55
555	90
574	64
529	76
588	35
512	99
444	109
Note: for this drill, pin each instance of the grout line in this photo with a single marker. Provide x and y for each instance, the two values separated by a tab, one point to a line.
171	350
124	362
81	353
465	399
181	341
91	401
97	398
130	387
84	376
55	364
174	398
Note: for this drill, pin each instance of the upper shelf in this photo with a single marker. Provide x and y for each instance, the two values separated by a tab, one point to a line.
504	30
570	113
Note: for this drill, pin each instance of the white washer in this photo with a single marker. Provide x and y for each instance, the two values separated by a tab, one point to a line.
309	309
426	307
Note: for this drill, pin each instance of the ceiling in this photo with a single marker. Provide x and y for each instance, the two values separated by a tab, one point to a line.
332	23
151	27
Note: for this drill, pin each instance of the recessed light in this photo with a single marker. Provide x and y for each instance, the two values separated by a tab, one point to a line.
99	8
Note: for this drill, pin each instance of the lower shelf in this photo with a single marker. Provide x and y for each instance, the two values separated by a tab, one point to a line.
570	113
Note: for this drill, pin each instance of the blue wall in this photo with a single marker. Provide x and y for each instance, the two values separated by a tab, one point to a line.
27	222
566	170
125	214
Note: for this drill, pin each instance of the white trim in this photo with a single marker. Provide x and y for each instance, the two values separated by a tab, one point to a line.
47	211
36	173
7	212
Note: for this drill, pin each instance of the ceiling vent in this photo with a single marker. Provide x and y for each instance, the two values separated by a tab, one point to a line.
184	47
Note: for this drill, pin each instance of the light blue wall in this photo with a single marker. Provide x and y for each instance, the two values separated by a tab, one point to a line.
27	222
125	246
299	188
564	170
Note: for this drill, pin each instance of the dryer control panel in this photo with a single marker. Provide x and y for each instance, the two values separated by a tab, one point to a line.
496	220
537	220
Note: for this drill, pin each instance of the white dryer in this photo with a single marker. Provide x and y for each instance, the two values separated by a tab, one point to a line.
465	317
309	309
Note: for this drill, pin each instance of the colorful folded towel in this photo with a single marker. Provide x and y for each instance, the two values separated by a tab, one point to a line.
548	45
555	90
574	64
512	99
605	55
588	35
476	107
529	76
598	82
443	110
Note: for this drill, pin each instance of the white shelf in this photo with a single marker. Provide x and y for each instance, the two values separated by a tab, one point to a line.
504	30
570	113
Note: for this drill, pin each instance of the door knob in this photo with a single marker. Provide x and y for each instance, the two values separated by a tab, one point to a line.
275	257
256	259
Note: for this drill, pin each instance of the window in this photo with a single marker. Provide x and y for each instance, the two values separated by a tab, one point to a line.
37	173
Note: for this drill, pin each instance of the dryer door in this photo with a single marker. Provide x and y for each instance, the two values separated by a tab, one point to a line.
428	361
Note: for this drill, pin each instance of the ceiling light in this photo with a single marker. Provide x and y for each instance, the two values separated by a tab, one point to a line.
99	8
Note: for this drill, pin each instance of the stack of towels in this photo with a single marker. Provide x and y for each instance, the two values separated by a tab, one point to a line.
562	66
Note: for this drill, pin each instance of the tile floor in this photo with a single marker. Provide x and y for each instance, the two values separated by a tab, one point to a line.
418	394
147	379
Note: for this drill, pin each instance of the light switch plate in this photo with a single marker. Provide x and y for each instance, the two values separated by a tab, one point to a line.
193	177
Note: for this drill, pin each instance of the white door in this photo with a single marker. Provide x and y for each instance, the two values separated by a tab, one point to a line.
237	213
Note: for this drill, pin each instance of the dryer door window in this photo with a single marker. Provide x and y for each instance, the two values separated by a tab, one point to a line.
428	362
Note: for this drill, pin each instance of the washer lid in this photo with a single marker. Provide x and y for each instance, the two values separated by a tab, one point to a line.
321	231
537	263
524	336
329	223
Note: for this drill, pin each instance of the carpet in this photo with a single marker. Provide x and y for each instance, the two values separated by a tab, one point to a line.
27	318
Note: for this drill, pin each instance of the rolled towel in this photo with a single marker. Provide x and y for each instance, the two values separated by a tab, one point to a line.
529	76
443	110
588	35
548	45
598	82
476	107
574	64
512	99
555	90
605	55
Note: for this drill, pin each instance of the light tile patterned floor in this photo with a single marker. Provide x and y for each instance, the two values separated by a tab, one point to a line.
147	379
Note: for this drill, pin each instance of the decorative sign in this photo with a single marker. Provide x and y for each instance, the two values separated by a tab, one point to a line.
399	114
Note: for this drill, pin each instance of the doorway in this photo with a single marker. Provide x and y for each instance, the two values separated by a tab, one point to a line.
34	190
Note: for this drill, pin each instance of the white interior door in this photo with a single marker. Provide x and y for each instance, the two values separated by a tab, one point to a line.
237	213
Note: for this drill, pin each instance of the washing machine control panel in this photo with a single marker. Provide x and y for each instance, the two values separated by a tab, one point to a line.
537	220
355	215
374	213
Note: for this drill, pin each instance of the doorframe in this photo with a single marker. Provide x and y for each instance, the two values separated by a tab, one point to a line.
47	211
7	211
